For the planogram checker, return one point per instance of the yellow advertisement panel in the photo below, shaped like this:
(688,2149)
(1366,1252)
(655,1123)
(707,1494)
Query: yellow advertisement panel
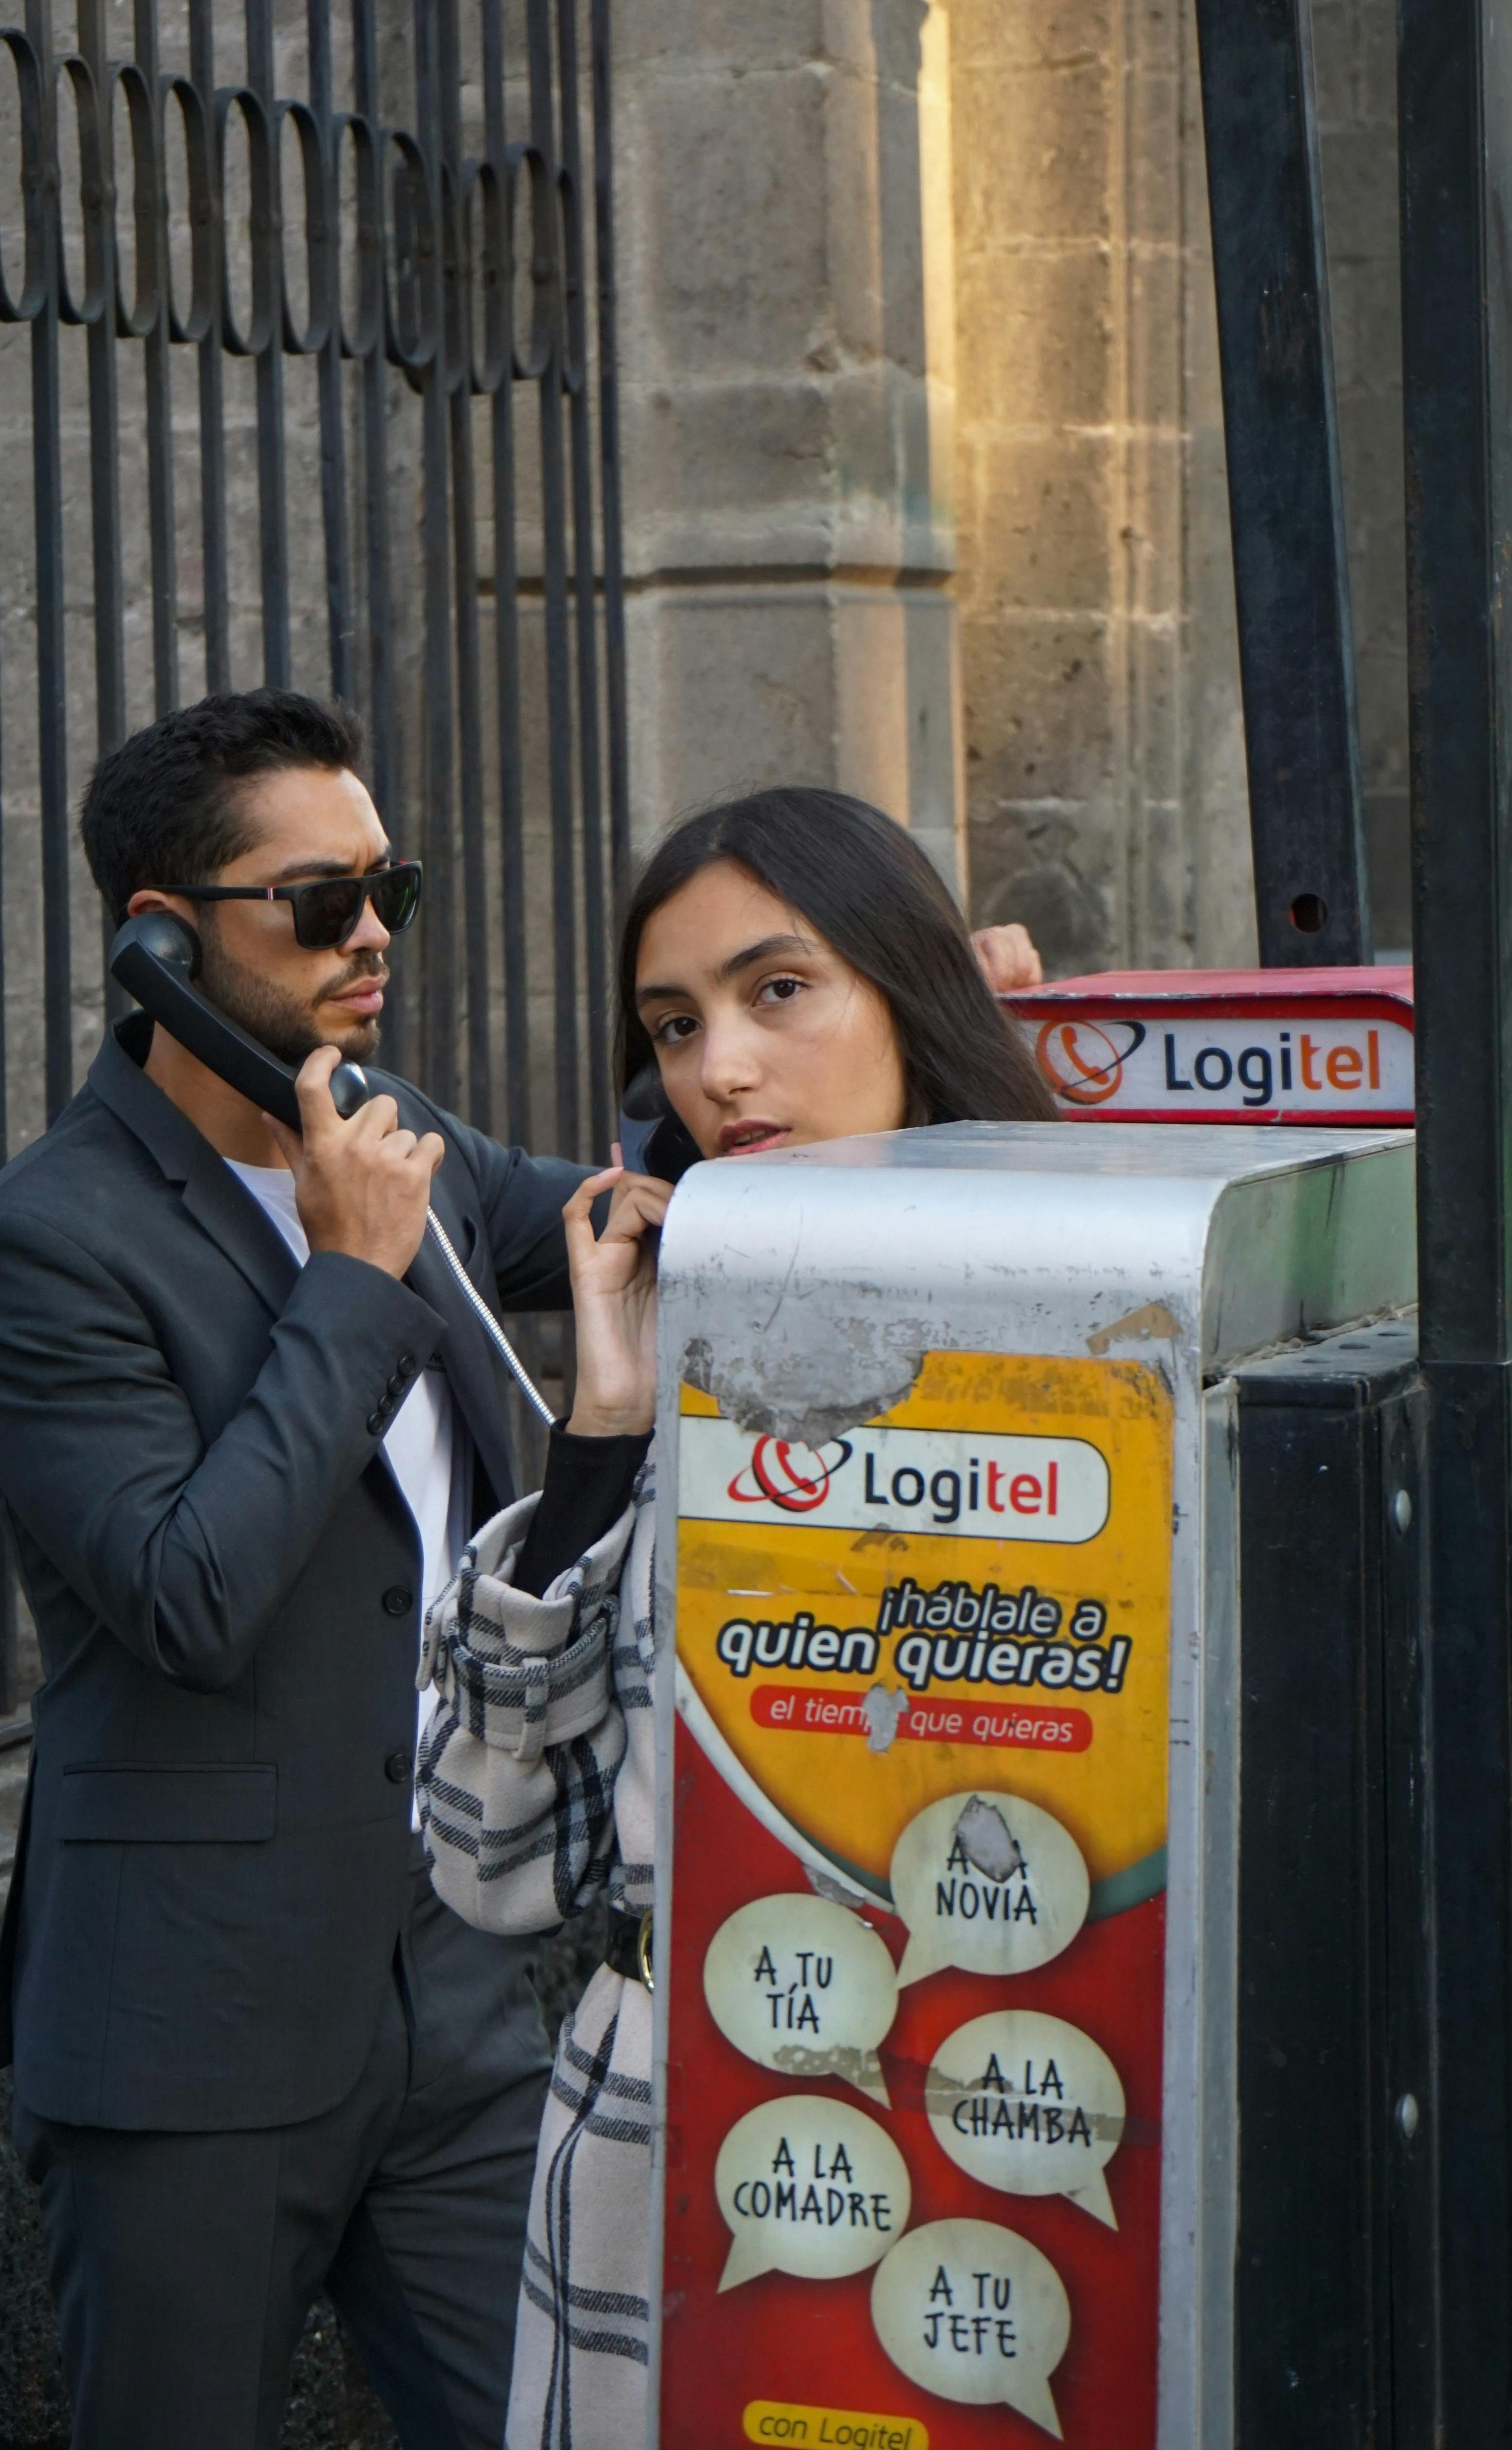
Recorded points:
(917,1956)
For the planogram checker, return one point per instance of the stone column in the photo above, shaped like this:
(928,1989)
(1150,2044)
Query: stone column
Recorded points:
(1104,742)
(783,192)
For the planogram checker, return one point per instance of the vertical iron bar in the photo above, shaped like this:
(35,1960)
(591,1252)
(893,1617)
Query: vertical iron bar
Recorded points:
(10,1696)
(464,531)
(1292,574)
(158,376)
(52,734)
(558,648)
(104,468)
(611,503)
(272,520)
(105,462)
(507,640)
(212,386)
(439,907)
(591,798)
(1455,97)
(468,691)
(382,696)
(333,439)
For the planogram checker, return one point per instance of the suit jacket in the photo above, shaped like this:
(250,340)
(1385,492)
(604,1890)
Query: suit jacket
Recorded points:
(226,1585)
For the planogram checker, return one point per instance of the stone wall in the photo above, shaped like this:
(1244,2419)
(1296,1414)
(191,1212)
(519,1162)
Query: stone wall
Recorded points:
(785,251)
(1104,748)
(1106,793)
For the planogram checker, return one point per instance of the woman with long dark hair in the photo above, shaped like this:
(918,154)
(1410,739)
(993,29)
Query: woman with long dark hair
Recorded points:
(795,971)
(866,892)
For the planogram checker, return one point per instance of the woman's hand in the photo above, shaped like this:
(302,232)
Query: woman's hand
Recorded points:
(1008,957)
(614,1302)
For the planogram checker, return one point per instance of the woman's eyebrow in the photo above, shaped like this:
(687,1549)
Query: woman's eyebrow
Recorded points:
(762,952)
(737,961)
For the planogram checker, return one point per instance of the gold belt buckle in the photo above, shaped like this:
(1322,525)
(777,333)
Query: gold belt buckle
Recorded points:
(643,1950)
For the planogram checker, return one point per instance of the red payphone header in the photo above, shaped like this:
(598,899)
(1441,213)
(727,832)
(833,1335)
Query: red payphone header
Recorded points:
(1227,1046)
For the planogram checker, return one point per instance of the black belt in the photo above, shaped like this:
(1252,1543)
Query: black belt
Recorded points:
(628,1947)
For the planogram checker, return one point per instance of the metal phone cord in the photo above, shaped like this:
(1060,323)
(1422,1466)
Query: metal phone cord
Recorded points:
(522,1377)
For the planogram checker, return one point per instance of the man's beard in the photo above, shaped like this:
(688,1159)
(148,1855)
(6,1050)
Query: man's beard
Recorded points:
(274,1019)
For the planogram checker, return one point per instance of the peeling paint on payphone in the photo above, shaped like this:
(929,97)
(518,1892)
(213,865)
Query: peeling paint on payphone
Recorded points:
(918,1959)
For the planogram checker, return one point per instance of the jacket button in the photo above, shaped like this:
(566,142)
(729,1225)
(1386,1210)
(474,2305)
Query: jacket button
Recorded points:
(377,1424)
(399,1382)
(398,1601)
(397,1768)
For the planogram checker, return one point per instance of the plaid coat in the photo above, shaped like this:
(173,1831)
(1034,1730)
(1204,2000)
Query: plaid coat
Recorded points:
(537,1787)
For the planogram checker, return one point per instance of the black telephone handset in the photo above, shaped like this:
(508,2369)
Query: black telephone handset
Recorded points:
(156,958)
(651,1138)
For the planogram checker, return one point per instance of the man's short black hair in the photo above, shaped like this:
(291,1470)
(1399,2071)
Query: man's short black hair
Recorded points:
(166,805)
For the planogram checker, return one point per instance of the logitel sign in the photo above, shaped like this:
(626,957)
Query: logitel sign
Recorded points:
(898,1480)
(1216,1047)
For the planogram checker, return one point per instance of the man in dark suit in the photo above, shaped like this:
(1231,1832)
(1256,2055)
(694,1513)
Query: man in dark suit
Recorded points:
(254,2056)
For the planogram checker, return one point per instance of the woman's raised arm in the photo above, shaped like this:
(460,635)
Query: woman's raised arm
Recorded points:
(615,1303)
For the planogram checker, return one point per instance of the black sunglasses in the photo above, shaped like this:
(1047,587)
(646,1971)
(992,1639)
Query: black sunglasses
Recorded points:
(328,910)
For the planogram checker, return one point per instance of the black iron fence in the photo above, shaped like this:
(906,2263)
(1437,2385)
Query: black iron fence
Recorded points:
(310,376)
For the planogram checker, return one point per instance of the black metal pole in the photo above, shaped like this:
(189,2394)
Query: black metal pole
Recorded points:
(152,235)
(105,426)
(1291,578)
(340,623)
(619,820)
(548,273)
(52,718)
(267,244)
(438,910)
(383,695)
(506,620)
(213,538)
(457,343)
(598,958)
(1456,172)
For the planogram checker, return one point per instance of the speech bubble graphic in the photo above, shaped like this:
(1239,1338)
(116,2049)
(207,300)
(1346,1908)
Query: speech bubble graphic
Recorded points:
(975,2313)
(1030,2104)
(810,2186)
(988,1882)
(802,1987)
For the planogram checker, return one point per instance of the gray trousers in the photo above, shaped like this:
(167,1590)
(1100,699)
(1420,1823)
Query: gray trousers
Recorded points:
(183,2266)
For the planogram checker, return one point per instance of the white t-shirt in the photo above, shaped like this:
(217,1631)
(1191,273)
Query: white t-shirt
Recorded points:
(428,1449)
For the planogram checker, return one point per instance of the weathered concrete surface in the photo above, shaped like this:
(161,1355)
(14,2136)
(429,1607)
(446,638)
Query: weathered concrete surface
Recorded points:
(1104,745)
(1106,788)
(782,178)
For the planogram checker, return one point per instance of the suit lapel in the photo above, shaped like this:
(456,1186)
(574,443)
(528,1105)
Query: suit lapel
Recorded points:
(222,1206)
(242,1227)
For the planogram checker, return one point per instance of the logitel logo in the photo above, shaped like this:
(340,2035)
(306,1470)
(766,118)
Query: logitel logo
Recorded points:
(988,1483)
(782,1472)
(1080,1060)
